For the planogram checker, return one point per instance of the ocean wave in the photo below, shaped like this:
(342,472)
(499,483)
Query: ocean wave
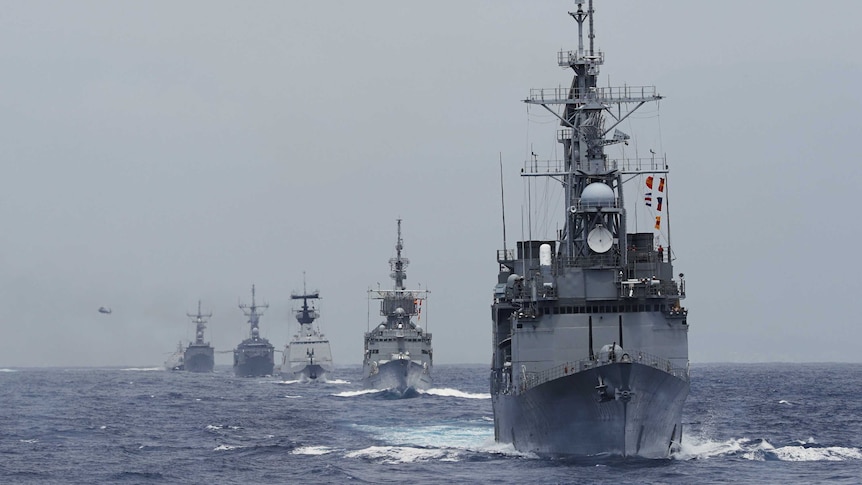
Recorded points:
(312,450)
(444,436)
(336,381)
(213,427)
(144,369)
(455,393)
(226,448)
(391,455)
(8,370)
(762,450)
(356,393)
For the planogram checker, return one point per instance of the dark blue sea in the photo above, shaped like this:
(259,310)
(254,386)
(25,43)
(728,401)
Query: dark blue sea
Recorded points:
(763,423)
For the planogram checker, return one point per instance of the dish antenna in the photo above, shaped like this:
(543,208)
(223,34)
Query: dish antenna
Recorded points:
(600,240)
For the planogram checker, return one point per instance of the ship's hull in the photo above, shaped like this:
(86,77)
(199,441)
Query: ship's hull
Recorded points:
(306,360)
(254,360)
(309,373)
(199,358)
(619,409)
(402,377)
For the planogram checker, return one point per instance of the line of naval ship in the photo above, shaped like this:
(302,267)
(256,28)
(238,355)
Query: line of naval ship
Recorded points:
(254,356)
(199,356)
(308,356)
(398,354)
(590,341)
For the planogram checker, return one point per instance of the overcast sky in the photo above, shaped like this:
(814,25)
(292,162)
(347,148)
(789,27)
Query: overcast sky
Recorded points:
(157,153)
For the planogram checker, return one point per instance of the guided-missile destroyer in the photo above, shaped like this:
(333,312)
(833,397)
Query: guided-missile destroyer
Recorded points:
(254,356)
(590,339)
(398,355)
(308,355)
(199,355)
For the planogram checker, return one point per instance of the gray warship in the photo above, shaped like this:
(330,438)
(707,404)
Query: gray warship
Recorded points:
(199,355)
(308,356)
(590,340)
(398,354)
(254,356)
(175,361)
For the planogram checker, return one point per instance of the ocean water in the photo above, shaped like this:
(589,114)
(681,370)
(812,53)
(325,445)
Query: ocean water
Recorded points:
(764,423)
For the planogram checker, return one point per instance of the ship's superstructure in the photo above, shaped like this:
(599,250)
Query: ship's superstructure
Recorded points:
(199,355)
(308,356)
(398,354)
(254,356)
(590,340)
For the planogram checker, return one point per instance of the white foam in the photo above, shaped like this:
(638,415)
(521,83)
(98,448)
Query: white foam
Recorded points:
(312,450)
(506,449)
(455,393)
(760,450)
(403,454)
(784,402)
(288,382)
(692,448)
(226,447)
(474,438)
(336,381)
(221,426)
(288,396)
(147,369)
(832,453)
(8,370)
(356,393)
(29,441)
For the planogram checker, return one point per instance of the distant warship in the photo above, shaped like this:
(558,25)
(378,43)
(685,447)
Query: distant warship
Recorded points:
(175,361)
(307,356)
(254,356)
(199,355)
(590,340)
(398,354)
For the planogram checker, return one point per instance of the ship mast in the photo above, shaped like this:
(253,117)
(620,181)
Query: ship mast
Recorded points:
(253,313)
(306,315)
(398,263)
(594,233)
(200,324)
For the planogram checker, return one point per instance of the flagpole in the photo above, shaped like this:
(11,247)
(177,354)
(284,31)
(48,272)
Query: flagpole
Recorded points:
(667,201)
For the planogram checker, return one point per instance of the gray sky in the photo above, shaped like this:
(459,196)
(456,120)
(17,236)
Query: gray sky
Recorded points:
(157,153)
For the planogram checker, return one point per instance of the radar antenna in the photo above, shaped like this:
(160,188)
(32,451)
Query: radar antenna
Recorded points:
(307,314)
(398,263)
(253,313)
(200,322)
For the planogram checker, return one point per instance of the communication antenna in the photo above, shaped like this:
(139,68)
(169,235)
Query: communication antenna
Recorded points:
(503,201)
